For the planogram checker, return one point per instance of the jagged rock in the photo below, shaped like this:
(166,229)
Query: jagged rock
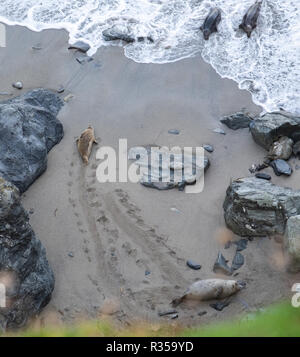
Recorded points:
(296,149)
(281,167)
(118,32)
(28,131)
(292,243)
(236,121)
(238,261)
(24,268)
(241,244)
(281,149)
(255,207)
(270,127)
(80,46)
(263,176)
(208,148)
(221,266)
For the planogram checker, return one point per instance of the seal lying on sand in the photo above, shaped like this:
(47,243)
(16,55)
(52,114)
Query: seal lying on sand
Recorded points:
(210,289)
(250,18)
(85,143)
(211,22)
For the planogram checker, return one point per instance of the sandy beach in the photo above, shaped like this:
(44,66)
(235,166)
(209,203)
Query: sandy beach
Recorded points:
(102,238)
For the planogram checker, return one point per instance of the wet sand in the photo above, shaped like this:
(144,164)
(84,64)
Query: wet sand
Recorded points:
(117,232)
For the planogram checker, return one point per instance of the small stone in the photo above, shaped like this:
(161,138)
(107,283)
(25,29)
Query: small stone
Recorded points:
(219,131)
(147,272)
(263,176)
(281,167)
(18,85)
(68,98)
(80,46)
(193,265)
(221,266)
(202,313)
(208,148)
(61,89)
(83,60)
(238,261)
(219,306)
(168,312)
(118,32)
(37,47)
(174,131)
(71,255)
(31,211)
(174,316)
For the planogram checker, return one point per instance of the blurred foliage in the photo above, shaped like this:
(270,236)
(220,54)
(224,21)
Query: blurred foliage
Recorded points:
(281,320)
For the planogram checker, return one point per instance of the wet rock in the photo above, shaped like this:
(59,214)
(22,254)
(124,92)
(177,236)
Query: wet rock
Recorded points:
(208,148)
(60,90)
(174,131)
(18,85)
(193,265)
(28,131)
(271,126)
(118,32)
(80,46)
(241,244)
(219,306)
(238,261)
(281,149)
(281,167)
(221,266)
(263,176)
(296,149)
(255,207)
(292,243)
(258,167)
(219,131)
(71,255)
(84,60)
(24,268)
(147,272)
(236,121)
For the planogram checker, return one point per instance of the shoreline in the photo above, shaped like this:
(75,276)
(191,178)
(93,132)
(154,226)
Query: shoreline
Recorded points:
(116,232)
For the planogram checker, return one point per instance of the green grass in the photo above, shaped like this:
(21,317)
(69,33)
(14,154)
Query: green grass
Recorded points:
(281,320)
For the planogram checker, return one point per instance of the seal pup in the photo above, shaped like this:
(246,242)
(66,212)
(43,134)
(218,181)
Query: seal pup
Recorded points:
(210,289)
(211,22)
(85,143)
(250,18)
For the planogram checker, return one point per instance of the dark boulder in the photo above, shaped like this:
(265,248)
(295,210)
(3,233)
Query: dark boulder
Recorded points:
(255,207)
(80,46)
(281,167)
(24,269)
(118,32)
(28,131)
(236,121)
(271,126)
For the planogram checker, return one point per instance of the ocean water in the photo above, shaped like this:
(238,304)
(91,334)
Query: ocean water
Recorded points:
(267,65)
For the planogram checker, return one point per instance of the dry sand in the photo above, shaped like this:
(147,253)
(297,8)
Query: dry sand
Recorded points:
(116,232)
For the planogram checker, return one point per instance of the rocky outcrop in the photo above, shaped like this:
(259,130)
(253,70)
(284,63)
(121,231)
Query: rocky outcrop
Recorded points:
(28,131)
(237,120)
(118,32)
(24,269)
(292,243)
(270,127)
(281,149)
(255,207)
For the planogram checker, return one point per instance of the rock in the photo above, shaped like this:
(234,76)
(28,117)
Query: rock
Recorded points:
(241,244)
(60,90)
(263,176)
(238,261)
(18,85)
(193,265)
(80,46)
(292,243)
(236,121)
(255,207)
(296,149)
(271,126)
(219,306)
(174,131)
(281,149)
(219,131)
(168,312)
(118,32)
(257,167)
(147,272)
(28,131)
(221,266)
(202,313)
(208,148)
(84,60)
(281,167)
(23,260)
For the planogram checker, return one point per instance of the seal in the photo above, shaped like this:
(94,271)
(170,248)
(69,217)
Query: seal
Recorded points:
(85,143)
(210,289)
(211,22)
(250,18)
